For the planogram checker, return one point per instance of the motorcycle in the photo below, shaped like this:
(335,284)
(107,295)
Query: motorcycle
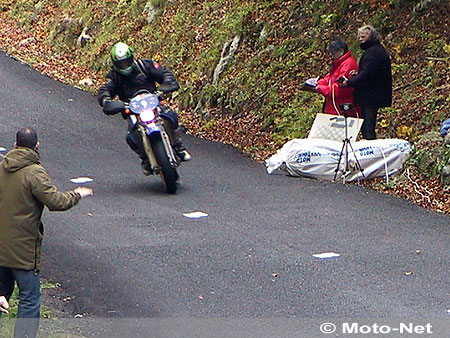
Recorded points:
(144,113)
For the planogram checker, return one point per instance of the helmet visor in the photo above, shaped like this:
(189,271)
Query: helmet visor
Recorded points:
(124,64)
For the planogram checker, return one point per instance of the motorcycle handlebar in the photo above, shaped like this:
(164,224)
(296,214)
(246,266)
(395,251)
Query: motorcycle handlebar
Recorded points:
(113,107)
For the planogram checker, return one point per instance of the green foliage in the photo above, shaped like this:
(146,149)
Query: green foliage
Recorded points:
(295,120)
(208,125)
(22,11)
(328,19)
(435,114)
(435,48)
(158,3)
(401,69)
(400,4)
(318,8)
(444,160)
(430,161)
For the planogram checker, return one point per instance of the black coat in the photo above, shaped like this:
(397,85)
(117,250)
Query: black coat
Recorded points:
(125,86)
(373,83)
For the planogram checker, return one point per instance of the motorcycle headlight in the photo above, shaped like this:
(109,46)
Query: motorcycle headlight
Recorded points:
(147,115)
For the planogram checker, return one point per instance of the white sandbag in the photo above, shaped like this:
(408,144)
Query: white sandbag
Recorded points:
(318,158)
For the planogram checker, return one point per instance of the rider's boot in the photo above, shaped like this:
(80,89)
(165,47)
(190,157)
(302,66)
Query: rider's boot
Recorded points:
(145,166)
(135,143)
(179,147)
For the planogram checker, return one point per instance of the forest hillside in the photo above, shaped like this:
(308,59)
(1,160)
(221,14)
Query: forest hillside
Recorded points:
(241,65)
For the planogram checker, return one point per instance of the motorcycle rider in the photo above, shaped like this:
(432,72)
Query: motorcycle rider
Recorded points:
(130,75)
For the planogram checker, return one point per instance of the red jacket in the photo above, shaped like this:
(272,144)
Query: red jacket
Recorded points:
(329,87)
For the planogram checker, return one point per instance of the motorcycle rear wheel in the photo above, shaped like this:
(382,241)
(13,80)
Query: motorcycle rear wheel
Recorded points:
(168,174)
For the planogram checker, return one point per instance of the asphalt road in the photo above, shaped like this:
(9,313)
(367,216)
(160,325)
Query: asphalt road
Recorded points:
(129,252)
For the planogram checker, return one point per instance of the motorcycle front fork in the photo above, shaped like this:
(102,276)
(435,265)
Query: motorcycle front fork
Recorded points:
(166,140)
(148,150)
(169,149)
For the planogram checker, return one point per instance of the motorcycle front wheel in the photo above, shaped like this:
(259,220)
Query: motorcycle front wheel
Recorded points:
(168,174)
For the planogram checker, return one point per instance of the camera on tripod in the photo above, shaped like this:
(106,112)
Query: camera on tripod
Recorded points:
(348,166)
(346,108)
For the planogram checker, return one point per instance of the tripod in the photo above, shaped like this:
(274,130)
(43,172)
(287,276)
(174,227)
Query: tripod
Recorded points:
(345,144)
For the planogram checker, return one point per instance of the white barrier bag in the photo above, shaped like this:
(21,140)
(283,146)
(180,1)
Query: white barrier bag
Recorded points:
(318,158)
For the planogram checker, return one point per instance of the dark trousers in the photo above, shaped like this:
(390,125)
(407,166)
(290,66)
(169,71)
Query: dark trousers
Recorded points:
(28,282)
(369,114)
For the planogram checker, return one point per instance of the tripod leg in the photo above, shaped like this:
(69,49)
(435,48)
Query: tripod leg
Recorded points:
(339,161)
(358,165)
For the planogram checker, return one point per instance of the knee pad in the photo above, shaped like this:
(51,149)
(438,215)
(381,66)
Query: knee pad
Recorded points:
(171,116)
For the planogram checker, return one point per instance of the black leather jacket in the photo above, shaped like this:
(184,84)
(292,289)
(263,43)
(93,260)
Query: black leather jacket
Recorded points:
(126,86)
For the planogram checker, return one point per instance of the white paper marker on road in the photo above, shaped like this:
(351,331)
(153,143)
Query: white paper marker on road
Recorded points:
(195,214)
(326,255)
(80,180)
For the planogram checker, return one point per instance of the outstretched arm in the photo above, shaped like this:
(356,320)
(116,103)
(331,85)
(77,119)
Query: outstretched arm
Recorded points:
(46,192)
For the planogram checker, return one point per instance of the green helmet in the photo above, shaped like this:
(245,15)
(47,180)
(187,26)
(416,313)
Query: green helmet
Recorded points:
(122,58)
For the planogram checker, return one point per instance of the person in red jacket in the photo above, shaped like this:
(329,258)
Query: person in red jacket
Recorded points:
(342,68)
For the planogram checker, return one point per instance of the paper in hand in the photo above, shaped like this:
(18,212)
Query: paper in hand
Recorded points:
(312,82)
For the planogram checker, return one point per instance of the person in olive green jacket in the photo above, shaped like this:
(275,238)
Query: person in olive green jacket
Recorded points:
(25,188)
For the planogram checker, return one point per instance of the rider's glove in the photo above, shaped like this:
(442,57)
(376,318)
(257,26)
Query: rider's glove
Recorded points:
(168,87)
(111,107)
(105,99)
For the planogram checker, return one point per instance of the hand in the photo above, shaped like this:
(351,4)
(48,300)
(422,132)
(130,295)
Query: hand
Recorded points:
(84,192)
(4,306)
(343,81)
(111,107)
(159,94)
(106,99)
(167,88)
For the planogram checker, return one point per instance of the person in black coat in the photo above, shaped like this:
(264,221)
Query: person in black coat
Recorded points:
(373,82)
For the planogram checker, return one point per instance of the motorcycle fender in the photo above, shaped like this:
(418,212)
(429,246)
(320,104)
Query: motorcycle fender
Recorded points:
(168,148)
(153,128)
